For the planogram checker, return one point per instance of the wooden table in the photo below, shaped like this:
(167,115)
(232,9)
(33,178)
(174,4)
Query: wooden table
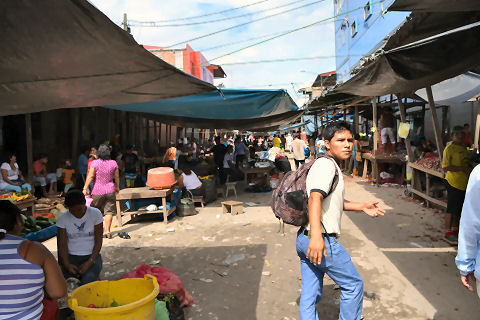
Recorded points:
(379,158)
(26,203)
(417,187)
(265,171)
(143,193)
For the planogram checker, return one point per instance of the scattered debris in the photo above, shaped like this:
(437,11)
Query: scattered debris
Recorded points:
(231,259)
(172,229)
(266,273)
(414,244)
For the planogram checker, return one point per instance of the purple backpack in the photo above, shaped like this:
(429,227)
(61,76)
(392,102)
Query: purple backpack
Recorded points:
(290,200)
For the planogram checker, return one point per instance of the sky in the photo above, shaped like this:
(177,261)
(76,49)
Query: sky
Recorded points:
(316,41)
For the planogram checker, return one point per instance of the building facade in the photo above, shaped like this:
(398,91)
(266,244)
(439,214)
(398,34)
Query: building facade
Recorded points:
(360,29)
(189,61)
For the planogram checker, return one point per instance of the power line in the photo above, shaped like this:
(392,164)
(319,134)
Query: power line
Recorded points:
(264,36)
(294,30)
(245,23)
(210,14)
(156,24)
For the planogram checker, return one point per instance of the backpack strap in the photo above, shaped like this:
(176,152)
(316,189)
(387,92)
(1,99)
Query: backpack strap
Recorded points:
(334,184)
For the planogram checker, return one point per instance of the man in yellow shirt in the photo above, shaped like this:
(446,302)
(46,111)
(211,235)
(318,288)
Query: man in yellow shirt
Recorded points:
(276,141)
(457,166)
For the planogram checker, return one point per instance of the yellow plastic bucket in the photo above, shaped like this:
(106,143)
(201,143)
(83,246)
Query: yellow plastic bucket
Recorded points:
(135,299)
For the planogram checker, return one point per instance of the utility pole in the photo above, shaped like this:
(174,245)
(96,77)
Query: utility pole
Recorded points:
(125,25)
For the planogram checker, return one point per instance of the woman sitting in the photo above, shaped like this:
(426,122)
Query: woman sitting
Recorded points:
(79,239)
(11,178)
(31,277)
(189,180)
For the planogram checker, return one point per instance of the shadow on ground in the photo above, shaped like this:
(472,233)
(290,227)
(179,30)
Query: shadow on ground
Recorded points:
(408,225)
(220,291)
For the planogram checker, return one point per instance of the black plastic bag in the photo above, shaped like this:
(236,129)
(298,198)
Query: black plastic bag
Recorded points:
(174,307)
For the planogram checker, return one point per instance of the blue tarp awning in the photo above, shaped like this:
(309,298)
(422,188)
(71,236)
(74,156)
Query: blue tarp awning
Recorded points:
(227,109)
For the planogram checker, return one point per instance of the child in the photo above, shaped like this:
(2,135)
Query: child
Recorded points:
(68,173)
(457,166)
(357,155)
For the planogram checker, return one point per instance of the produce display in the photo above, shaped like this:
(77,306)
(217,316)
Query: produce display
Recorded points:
(432,163)
(16,196)
(36,224)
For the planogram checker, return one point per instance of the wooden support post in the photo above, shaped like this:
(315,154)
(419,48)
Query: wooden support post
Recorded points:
(436,128)
(403,118)
(28,134)
(477,127)
(427,190)
(123,121)
(356,121)
(345,114)
(75,131)
(375,128)
(315,120)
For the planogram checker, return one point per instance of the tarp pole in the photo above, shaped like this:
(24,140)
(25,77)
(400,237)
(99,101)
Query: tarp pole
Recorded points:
(28,134)
(124,129)
(436,128)
(375,129)
(477,127)
(403,118)
(356,119)
(75,129)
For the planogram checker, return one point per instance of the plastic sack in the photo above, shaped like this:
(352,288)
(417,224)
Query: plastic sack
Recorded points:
(161,312)
(167,281)
(403,130)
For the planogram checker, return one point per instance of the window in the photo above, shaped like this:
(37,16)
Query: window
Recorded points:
(340,78)
(345,75)
(354,28)
(343,34)
(367,11)
(339,43)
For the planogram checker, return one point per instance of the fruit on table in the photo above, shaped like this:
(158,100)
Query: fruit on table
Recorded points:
(91,305)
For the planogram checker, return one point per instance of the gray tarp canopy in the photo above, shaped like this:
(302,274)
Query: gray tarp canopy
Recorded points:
(66,53)
(436,5)
(428,48)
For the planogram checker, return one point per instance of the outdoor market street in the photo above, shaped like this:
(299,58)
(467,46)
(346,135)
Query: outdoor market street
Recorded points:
(402,281)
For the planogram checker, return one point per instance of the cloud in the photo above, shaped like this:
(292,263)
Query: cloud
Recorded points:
(314,41)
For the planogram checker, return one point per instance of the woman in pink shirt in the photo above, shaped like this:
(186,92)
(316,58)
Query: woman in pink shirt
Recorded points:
(104,174)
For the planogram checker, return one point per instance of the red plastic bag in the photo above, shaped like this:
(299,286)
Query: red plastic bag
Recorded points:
(167,281)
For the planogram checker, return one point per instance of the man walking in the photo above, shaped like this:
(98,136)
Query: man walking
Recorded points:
(298,147)
(317,244)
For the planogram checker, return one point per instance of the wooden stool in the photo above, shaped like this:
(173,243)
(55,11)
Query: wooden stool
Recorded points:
(230,186)
(232,207)
(198,199)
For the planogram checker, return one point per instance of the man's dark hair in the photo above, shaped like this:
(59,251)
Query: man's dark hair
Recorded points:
(356,136)
(217,138)
(42,155)
(466,125)
(334,127)
(74,197)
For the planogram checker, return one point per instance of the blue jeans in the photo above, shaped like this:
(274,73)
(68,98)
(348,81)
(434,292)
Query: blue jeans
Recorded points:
(91,275)
(339,267)
(11,187)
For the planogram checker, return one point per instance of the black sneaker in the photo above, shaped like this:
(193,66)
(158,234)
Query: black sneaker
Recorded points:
(451,239)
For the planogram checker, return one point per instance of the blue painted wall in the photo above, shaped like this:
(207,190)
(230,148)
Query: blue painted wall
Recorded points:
(359,32)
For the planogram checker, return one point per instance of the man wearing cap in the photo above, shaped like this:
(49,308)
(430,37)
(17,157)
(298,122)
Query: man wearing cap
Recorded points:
(457,166)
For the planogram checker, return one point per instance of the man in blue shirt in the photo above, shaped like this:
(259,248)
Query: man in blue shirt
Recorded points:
(468,255)
(83,162)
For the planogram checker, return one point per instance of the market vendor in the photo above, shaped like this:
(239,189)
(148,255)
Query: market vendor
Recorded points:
(79,239)
(456,163)
(41,175)
(189,180)
(12,178)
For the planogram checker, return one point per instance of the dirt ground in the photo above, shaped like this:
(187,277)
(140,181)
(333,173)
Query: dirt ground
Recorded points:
(409,272)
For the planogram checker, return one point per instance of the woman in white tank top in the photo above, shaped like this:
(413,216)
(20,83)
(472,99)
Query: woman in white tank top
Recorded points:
(189,180)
